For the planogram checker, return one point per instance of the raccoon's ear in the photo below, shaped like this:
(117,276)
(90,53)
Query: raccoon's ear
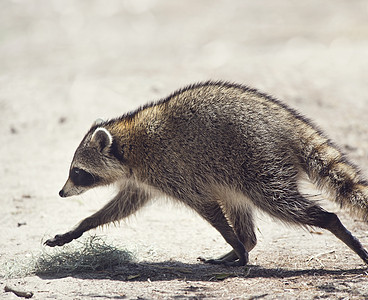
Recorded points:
(101,139)
(98,122)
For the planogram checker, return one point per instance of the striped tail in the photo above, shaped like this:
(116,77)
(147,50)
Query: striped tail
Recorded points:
(330,170)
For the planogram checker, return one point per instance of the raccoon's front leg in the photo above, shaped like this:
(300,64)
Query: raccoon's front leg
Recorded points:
(126,202)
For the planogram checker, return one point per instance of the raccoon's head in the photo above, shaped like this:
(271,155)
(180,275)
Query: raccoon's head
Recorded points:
(95,163)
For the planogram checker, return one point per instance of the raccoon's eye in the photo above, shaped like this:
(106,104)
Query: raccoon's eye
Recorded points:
(81,177)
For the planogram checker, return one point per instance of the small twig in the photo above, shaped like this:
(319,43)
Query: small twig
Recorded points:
(320,254)
(315,257)
(18,292)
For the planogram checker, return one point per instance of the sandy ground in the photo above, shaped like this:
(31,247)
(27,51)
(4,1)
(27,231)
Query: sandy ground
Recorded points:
(65,63)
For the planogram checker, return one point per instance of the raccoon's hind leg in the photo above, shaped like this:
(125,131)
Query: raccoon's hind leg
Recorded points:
(331,222)
(292,207)
(128,200)
(213,213)
(241,219)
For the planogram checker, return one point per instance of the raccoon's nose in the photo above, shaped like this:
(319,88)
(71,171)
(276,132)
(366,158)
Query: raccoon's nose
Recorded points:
(61,193)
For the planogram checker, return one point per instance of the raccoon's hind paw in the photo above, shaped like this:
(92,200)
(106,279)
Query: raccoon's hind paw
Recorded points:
(62,239)
(235,263)
(229,259)
(364,256)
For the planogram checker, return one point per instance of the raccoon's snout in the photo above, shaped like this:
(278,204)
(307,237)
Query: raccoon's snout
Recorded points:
(70,189)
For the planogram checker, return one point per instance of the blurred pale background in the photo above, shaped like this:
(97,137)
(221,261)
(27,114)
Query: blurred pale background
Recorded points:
(101,49)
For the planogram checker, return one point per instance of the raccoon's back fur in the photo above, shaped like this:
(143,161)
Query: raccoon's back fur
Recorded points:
(221,149)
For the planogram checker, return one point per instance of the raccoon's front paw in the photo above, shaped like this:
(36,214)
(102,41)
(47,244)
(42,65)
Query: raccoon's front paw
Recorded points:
(59,240)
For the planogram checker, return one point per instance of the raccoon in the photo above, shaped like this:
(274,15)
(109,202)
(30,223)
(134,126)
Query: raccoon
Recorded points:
(224,150)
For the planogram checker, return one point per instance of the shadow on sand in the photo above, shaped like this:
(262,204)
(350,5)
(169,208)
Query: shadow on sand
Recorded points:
(171,270)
